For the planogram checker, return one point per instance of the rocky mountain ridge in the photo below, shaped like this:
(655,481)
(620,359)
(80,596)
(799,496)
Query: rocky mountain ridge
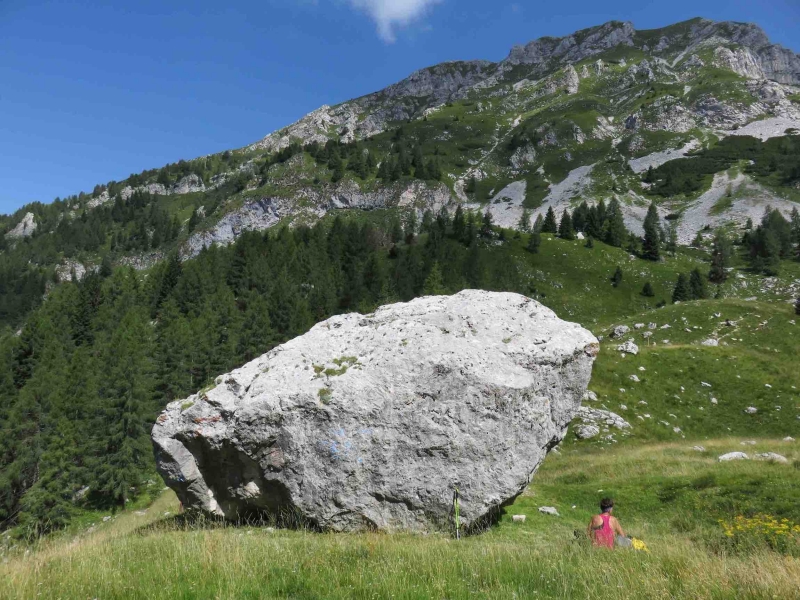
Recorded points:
(558,121)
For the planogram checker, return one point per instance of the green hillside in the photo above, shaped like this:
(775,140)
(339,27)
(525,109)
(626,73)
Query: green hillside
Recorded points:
(667,494)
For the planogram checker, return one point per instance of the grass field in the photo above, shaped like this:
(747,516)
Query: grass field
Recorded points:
(667,495)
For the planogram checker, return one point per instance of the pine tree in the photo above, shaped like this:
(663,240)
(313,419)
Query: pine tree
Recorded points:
(720,258)
(682,292)
(697,285)
(411,227)
(427,221)
(486,225)
(647,290)
(459,225)
(565,231)
(550,224)
(525,220)
(614,225)
(193,220)
(651,240)
(434,282)
(616,278)
(128,408)
(534,241)
(471,186)
(672,238)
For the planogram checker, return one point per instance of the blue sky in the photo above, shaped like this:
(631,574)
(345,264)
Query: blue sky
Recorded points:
(93,91)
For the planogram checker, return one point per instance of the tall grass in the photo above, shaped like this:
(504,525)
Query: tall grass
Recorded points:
(154,556)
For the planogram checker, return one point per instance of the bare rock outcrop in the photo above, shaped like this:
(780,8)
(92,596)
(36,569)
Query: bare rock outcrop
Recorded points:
(371,421)
(24,228)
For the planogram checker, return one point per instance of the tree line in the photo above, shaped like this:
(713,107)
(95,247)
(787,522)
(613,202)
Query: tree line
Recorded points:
(82,382)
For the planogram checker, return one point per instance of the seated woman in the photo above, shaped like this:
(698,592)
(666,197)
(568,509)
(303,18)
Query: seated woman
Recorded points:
(603,528)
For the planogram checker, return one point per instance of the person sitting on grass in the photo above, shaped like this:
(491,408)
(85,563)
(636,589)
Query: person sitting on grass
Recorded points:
(603,528)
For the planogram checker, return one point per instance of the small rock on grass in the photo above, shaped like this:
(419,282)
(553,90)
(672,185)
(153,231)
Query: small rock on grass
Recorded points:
(772,457)
(751,410)
(698,448)
(518,518)
(733,456)
(788,438)
(549,510)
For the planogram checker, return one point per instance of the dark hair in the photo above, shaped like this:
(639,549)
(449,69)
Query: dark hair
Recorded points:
(606,504)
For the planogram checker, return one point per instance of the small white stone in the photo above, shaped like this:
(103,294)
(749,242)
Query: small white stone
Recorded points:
(549,510)
(772,457)
(733,456)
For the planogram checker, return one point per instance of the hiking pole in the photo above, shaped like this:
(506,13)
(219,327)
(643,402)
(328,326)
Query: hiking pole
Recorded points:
(457,513)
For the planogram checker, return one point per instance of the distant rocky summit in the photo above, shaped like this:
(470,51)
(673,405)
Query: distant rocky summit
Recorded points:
(372,421)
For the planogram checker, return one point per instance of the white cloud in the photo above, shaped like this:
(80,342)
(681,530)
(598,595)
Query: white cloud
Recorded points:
(390,14)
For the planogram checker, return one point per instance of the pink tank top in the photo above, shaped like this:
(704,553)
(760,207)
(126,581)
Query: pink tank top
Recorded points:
(605,535)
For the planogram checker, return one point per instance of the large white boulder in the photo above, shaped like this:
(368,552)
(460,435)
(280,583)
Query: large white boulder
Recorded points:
(372,421)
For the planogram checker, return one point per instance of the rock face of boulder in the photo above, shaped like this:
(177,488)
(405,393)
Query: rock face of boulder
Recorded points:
(371,421)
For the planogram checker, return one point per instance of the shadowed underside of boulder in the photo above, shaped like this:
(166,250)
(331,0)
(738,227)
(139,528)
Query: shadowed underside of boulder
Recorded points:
(371,421)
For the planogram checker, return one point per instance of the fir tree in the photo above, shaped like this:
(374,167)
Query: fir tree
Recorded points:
(697,285)
(682,292)
(193,220)
(720,259)
(538,225)
(550,224)
(647,290)
(651,240)
(128,410)
(614,225)
(411,227)
(565,227)
(486,225)
(534,241)
(616,278)
(525,220)
(459,226)
(434,282)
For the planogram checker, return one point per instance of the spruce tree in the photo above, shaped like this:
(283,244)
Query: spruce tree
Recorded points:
(697,285)
(550,224)
(486,225)
(720,258)
(538,224)
(434,282)
(651,240)
(682,292)
(411,227)
(128,409)
(534,241)
(525,220)
(459,226)
(672,238)
(565,227)
(616,278)
(647,290)
(614,225)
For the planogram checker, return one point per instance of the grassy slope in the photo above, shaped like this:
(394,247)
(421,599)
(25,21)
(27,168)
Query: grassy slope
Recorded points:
(668,494)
